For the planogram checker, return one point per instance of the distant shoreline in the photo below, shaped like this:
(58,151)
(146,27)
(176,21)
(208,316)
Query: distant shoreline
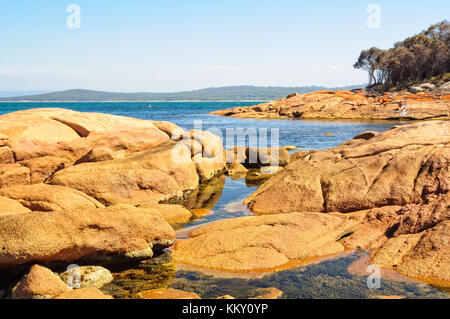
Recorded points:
(119,101)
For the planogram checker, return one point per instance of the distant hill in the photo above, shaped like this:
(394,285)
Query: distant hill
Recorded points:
(230,93)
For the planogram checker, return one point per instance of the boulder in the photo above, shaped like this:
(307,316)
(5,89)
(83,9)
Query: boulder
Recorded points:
(39,283)
(445,87)
(173,214)
(236,169)
(14,174)
(168,293)
(211,143)
(42,168)
(84,293)
(292,95)
(397,167)
(6,155)
(43,197)
(11,207)
(87,276)
(264,242)
(208,167)
(420,255)
(175,132)
(427,86)
(94,236)
(147,177)
(100,154)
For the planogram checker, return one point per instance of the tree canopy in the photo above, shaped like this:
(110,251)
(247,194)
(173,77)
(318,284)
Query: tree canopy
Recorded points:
(412,60)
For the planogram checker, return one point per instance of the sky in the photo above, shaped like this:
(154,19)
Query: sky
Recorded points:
(174,45)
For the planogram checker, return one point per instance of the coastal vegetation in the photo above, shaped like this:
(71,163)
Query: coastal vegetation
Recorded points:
(425,56)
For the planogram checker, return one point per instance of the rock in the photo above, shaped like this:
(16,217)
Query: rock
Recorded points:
(263,242)
(445,87)
(268,293)
(386,170)
(292,95)
(147,177)
(416,89)
(100,155)
(84,293)
(366,135)
(236,170)
(427,86)
(168,293)
(14,174)
(349,105)
(201,212)
(421,255)
(42,168)
(173,214)
(33,125)
(87,276)
(290,147)
(43,197)
(174,131)
(11,207)
(194,146)
(271,170)
(39,283)
(95,236)
(258,157)
(6,155)
(211,143)
(207,167)
(226,297)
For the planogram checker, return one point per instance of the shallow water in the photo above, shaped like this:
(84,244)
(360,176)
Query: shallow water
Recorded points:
(223,197)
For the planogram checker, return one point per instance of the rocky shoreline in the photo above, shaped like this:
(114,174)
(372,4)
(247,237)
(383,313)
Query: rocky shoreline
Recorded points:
(425,104)
(103,190)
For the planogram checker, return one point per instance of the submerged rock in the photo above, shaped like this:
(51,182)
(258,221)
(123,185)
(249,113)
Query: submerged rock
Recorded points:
(167,293)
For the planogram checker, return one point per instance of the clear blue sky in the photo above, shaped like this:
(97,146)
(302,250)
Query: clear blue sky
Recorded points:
(174,45)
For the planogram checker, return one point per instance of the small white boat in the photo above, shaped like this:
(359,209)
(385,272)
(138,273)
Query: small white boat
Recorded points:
(149,106)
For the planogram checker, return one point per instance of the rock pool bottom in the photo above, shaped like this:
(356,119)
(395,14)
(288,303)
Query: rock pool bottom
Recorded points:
(329,278)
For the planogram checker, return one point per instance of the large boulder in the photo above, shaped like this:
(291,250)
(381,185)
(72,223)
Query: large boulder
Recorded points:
(264,242)
(14,174)
(43,197)
(147,177)
(11,207)
(94,236)
(397,167)
(39,283)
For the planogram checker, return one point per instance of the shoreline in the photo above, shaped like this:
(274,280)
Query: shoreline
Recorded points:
(155,101)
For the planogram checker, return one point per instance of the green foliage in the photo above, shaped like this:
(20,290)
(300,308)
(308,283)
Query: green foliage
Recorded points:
(413,60)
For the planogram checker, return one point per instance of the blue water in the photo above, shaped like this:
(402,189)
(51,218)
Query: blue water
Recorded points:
(301,133)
